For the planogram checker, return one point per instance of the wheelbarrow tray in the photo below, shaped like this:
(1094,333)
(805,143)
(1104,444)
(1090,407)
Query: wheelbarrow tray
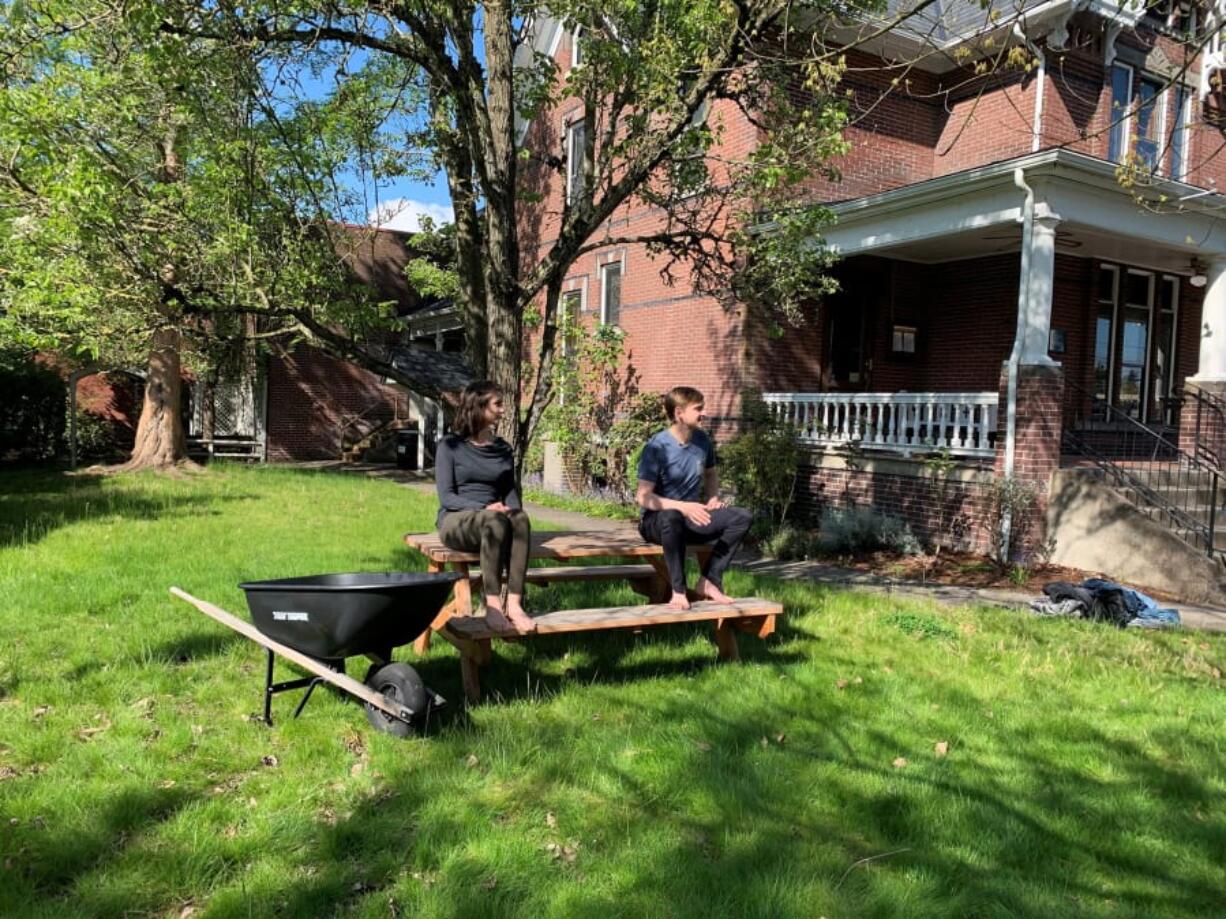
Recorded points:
(334,616)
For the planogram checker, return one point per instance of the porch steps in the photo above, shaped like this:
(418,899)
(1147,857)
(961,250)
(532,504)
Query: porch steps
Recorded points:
(372,440)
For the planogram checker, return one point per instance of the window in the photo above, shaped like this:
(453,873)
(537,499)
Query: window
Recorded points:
(576,141)
(1057,341)
(1136,115)
(610,293)
(568,321)
(904,339)
(688,168)
(1179,133)
(576,50)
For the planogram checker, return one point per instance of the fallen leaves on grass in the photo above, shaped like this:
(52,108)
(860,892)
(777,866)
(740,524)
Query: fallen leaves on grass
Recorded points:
(489,883)
(472,762)
(942,748)
(566,852)
(703,746)
(551,821)
(270,761)
(900,762)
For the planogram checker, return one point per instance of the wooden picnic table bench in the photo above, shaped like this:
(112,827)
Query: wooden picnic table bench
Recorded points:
(641,564)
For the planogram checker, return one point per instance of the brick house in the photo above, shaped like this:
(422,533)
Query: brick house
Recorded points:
(984,232)
(294,403)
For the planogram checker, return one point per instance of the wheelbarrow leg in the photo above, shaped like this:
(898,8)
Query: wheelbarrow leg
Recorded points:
(268,689)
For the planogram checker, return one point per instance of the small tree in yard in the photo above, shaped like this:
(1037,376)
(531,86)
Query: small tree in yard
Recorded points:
(600,418)
(761,464)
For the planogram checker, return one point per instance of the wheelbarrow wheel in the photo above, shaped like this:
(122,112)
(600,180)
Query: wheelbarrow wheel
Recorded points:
(401,684)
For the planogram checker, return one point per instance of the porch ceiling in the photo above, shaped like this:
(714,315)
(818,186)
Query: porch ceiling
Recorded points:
(978,212)
(1071,239)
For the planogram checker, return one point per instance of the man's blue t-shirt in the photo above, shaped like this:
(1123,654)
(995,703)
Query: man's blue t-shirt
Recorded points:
(677,468)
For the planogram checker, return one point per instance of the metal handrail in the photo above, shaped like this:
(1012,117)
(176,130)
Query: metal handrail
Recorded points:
(1208,406)
(1150,468)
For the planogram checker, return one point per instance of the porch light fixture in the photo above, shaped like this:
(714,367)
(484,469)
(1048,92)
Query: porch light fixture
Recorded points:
(1199,278)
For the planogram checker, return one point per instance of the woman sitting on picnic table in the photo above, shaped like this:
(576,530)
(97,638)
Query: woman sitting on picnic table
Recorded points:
(674,467)
(479,505)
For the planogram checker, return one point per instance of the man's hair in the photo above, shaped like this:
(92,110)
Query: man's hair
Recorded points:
(476,396)
(680,397)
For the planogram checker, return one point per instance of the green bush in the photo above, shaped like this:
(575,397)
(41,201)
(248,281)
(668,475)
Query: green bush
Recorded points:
(101,438)
(32,410)
(863,529)
(600,419)
(788,543)
(760,465)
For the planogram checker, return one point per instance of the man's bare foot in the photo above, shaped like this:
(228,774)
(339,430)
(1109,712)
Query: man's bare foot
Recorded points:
(708,590)
(520,620)
(497,621)
(679,601)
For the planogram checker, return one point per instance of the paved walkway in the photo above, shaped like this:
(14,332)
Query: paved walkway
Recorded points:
(1208,618)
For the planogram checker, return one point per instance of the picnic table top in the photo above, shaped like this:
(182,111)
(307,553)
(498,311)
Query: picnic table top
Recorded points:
(623,542)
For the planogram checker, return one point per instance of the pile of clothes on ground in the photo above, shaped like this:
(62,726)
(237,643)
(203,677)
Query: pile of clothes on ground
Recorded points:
(1104,601)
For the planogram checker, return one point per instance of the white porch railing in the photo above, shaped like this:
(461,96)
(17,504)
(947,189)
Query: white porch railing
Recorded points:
(961,422)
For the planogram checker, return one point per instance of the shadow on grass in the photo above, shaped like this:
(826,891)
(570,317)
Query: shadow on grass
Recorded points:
(34,504)
(758,847)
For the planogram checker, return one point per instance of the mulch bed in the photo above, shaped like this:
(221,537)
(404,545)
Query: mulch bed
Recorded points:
(965,569)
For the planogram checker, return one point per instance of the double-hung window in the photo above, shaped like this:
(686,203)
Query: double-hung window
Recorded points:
(610,293)
(1182,109)
(1136,116)
(576,140)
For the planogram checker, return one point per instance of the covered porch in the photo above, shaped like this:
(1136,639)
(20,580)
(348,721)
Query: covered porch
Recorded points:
(1120,301)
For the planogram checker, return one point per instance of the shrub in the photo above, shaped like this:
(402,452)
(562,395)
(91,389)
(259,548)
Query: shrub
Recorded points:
(863,529)
(760,465)
(600,419)
(1016,499)
(788,543)
(32,410)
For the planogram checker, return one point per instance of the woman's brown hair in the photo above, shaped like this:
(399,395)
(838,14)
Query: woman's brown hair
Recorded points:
(469,417)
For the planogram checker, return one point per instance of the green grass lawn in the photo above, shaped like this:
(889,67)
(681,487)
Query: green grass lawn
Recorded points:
(622,775)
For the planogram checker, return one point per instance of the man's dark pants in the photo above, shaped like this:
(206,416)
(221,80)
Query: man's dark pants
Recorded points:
(674,532)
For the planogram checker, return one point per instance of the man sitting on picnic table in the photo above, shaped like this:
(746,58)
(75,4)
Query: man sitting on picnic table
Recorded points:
(673,468)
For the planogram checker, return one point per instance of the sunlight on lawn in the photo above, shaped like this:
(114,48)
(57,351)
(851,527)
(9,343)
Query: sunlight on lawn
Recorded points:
(617,774)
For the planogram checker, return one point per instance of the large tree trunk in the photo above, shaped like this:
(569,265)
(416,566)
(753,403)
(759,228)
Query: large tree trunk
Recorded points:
(160,441)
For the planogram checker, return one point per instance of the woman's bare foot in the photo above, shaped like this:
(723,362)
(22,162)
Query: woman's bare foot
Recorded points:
(679,601)
(709,591)
(495,618)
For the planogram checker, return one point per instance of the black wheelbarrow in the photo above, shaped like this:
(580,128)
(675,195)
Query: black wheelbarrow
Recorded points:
(317,622)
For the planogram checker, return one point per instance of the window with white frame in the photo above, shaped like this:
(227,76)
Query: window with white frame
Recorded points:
(688,169)
(570,307)
(1182,108)
(1137,116)
(576,50)
(576,141)
(904,339)
(610,293)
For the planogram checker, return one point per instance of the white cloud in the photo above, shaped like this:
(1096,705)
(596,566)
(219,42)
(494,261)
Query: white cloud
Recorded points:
(405,214)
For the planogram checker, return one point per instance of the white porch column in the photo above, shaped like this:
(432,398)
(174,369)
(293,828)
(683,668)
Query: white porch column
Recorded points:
(1035,300)
(1212,367)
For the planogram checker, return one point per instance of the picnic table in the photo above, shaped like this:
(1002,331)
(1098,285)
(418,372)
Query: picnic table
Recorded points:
(635,561)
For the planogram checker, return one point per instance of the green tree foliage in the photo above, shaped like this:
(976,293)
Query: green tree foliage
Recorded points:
(761,464)
(158,201)
(600,419)
(650,74)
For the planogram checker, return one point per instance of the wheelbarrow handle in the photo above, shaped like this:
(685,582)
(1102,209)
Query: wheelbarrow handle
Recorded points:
(340,680)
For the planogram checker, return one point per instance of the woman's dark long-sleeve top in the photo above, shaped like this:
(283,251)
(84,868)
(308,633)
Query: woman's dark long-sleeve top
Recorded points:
(470,477)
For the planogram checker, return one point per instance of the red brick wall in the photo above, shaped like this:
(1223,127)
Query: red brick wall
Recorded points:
(311,396)
(909,496)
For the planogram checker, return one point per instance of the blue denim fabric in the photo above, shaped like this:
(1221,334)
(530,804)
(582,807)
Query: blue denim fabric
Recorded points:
(1144,609)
